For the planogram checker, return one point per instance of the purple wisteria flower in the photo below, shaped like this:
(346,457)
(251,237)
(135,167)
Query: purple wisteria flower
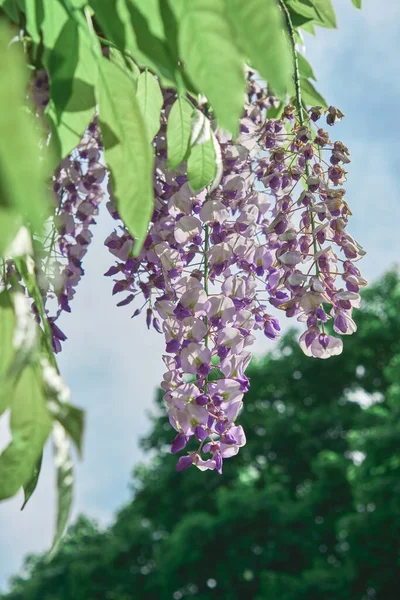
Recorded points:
(270,233)
(78,192)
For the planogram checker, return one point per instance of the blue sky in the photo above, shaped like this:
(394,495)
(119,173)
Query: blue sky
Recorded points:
(113,364)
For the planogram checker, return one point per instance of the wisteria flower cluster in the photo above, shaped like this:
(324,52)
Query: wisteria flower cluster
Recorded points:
(270,233)
(78,192)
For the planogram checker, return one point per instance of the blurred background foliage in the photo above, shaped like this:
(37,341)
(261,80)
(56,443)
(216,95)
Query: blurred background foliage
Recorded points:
(309,509)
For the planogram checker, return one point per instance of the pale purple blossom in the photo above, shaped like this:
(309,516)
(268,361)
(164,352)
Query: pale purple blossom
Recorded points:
(272,231)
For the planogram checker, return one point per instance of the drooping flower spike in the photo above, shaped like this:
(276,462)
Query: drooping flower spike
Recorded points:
(78,192)
(269,234)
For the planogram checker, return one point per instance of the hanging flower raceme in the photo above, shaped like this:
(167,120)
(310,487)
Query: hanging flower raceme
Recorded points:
(78,192)
(303,172)
(213,262)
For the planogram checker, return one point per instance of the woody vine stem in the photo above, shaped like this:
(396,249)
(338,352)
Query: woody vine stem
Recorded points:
(299,103)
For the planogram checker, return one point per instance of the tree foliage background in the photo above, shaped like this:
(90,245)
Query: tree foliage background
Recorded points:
(309,508)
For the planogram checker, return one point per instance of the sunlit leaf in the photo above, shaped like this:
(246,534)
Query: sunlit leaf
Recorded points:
(201,128)
(276,111)
(10,7)
(30,486)
(72,419)
(299,20)
(125,63)
(57,397)
(73,70)
(151,48)
(170,25)
(307,13)
(62,62)
(179,127)
(302,8)
(202,165)
(309,27)
(325,12)
(260,27)
(7,324)
(150,101)
(357,3)
(30,426)
(319,12)
(150,10)
(305,69)
(23,170)
(34,13)
(128,25)
(310,95)
(10,222)
(114,21)
(65,481)
(128,153)
(212,59)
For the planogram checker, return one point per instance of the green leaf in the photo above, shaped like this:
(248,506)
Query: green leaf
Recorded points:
(300,20)
(179,127)
(7,324)
(73,71)
(150,10)
(151,48)
(177,7)
(10,222)
(303,8)
(10,7)
(34,14)
(202,167)
(114,21)
(260,28)
(30,486)
(310,95)
(125,63)
(201,128)
(305,69)
(130,28)
(150,102)
(30,426)
(72,419)
(212,60)
(24,172)
(170,25)
(275,112)
(62,63)
(325,12)
(57,394)
(357,3)
(309,27)
(65,483)
(170,11)
(128,154)
(306,13)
